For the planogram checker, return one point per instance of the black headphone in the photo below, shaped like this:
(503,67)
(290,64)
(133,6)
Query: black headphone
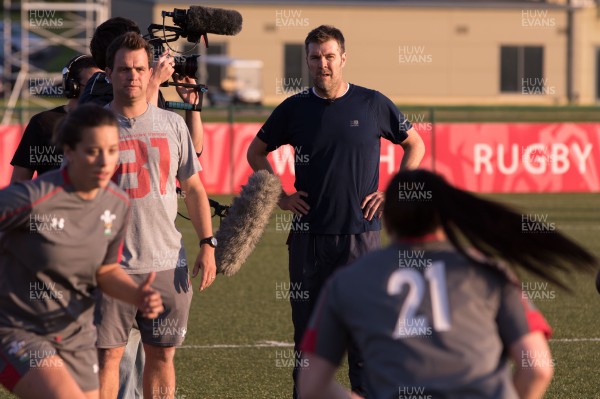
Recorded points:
(71,86)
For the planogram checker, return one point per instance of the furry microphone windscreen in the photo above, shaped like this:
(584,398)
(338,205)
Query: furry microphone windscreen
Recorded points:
(246,221)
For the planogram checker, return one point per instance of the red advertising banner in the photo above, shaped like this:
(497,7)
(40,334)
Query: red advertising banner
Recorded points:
(519,157)
(486,157)
(10,135)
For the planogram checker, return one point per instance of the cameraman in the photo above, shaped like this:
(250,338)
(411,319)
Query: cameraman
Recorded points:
(38,133)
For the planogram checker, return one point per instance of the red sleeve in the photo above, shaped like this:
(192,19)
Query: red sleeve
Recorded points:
(535,319)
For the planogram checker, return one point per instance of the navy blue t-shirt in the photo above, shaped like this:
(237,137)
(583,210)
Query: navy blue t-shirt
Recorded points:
(337,147)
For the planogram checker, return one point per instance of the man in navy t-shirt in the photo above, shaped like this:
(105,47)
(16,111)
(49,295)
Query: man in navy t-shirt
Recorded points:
(335,129)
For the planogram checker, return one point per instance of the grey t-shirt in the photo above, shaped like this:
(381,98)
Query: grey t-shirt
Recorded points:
(51,245)
(427,321)
(155,149)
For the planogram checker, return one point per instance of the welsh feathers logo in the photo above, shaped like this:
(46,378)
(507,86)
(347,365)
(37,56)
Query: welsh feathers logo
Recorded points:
(46,222)
(108,218)
(57,224)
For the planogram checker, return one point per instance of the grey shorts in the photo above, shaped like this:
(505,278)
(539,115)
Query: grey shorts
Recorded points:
(21,351)
(114,319)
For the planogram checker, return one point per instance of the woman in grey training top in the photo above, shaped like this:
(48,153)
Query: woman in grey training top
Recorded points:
(438,314)
(61,237)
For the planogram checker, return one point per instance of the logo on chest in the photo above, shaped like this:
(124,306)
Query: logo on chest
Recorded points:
(46,222)
(108,219)
(354,123)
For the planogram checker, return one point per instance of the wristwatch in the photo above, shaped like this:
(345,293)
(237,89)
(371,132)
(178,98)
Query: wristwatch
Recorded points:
(212,241)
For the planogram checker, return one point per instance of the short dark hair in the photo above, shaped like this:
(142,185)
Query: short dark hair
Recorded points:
(70,129)
(129,41)
(323,34)
(79,65)
(105,33)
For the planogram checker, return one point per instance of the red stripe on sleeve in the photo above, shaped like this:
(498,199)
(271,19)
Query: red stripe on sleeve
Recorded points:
(309,341)
(535,319)
(120,253)
(9,376)
(39,200)
(118,194)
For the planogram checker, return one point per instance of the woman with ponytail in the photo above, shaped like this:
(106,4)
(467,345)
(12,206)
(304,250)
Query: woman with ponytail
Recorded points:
(440,313)
(61,238)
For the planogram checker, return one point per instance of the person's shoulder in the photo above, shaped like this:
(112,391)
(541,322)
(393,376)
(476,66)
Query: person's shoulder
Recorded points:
(368,94)
(98,90)
(363,266)
(45,186)
(114,190)
(49,116)
(298,98)
(52,178)
(99,84)
(164,114)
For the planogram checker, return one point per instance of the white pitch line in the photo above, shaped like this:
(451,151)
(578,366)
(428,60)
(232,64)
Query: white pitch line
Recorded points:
(279,344)
(261,344)
(578,227)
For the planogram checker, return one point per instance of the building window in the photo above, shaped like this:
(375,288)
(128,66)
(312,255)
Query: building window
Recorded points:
(521,69)
(216,72)
(598,74)
(295,69)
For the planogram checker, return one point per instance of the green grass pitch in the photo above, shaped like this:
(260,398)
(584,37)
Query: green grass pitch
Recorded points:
(236,325)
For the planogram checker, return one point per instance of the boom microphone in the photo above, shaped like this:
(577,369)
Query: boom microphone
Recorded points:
(246,221)
(199,20)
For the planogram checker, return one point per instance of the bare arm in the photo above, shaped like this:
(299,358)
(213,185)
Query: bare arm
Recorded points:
(414,150)
(198,208)
(113,281)
(257,158)
(193,119)
(21,174)
(162,69)
(316,380)
(534,366)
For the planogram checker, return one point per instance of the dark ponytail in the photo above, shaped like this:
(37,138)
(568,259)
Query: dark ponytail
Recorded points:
(418,201)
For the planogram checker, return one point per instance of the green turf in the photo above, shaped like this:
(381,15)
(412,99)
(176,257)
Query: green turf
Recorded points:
(244,309)
(244,312)
(416,113)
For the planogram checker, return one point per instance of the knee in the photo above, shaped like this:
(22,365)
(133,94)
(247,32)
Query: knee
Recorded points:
(159,354)
(110,357)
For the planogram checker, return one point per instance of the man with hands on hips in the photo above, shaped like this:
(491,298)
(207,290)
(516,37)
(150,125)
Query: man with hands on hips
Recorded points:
(335,129)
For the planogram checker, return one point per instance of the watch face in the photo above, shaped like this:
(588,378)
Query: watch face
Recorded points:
(212,241)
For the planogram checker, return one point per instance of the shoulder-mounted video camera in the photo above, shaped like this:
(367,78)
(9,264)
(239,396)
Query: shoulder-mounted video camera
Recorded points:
(191,24)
